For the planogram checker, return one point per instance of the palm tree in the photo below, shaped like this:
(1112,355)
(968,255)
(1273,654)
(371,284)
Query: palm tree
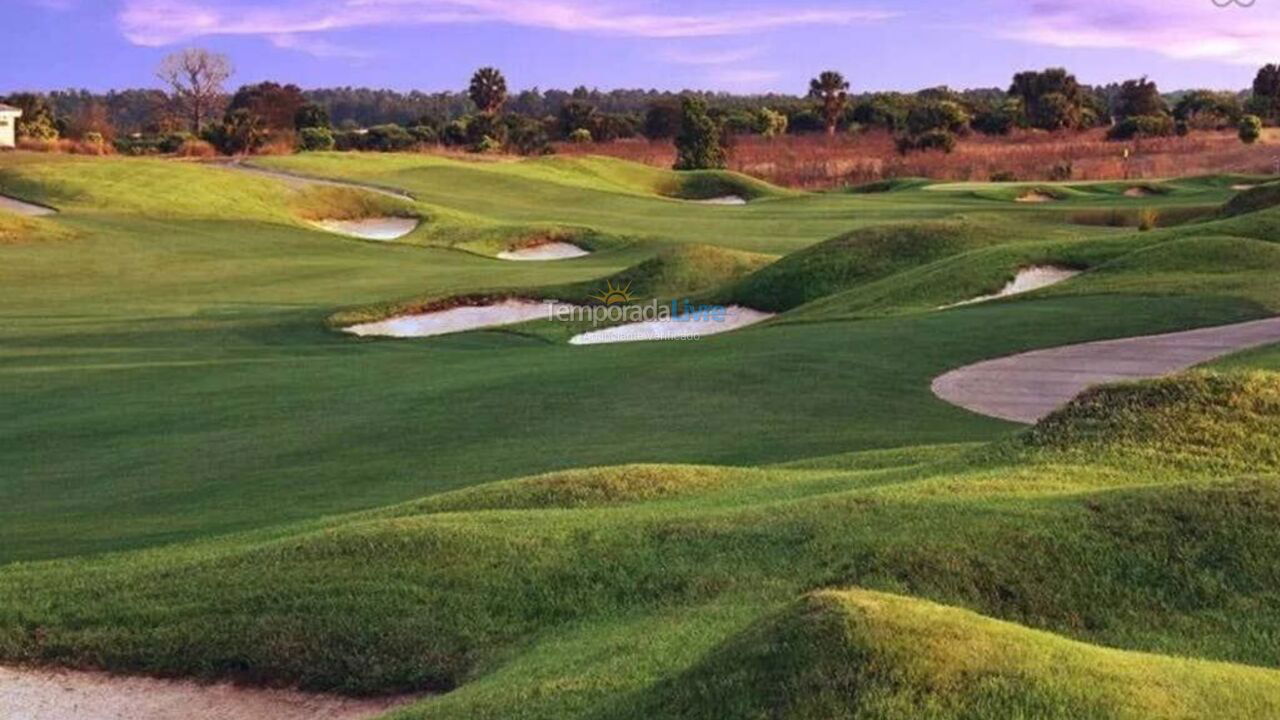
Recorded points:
(832,90)
(488,90)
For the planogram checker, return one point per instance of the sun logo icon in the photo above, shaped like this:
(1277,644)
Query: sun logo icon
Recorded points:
(614,295)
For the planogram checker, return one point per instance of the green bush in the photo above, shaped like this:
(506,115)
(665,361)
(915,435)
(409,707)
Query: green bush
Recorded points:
(579,136)
(171,142)
(943,140)
(698,142)
(455,133)
(348,140)
(387,138)
(486,144)
(1250,129)
(140,145)
(1140,126)
(424,134)
(317,139)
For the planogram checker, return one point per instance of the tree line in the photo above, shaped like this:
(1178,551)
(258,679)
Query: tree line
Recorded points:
(195,107)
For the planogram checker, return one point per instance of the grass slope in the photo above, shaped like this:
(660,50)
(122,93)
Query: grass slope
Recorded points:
(860,654)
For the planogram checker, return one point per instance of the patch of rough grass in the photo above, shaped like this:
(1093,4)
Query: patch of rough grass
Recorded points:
(1225,421)
(861,654)
(330,202)
(20,230)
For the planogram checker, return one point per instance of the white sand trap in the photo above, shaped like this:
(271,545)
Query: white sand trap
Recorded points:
(545,251)
(24,208)
(459,319)
(62,695)
(723,200)
(735,317)
(1035,196)
(382,228)
(1238,188)
(1027,279)
(1138,192)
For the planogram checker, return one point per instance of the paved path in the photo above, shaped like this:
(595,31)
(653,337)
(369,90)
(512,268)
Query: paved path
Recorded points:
(1026,387)
(61,695)
(24,208)
(298,180)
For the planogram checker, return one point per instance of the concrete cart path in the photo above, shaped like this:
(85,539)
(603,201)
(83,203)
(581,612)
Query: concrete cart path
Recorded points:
(298,181)
(24,208)
(1025,388)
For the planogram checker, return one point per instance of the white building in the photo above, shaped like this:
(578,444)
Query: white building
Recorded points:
(8,124)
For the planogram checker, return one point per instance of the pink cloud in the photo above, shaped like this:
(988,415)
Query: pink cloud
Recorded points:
(165,22)
(1186,29)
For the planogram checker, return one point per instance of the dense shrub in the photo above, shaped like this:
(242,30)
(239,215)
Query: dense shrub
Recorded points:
(528,136)
(194,148)
(138,145)
(424,134)
(698,143)
(581,135)
(1250,129)
(316,139)
(1140,126)
(348,140)
(455,133)
(771,123)
(387,138)
(943,140)
(171,142)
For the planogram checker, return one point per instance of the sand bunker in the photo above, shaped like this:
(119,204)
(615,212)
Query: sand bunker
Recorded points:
(723,200)
(1138,192)
(1243,187)
(1035,196)
(60,694)
(545,251)
(1027,279)
(459,319)
(24,208)
(383,228)
(735,317)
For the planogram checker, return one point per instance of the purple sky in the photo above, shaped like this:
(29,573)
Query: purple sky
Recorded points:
(734,45)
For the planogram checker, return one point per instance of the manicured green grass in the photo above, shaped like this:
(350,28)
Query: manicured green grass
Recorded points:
(202,477)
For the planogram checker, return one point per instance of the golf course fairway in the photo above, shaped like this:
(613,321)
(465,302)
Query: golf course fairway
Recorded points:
(204,477)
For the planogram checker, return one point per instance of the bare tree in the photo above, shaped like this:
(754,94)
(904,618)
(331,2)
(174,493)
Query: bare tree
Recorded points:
(196,78)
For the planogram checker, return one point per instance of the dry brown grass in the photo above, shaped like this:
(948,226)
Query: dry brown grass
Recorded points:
(64,145)
(816,161)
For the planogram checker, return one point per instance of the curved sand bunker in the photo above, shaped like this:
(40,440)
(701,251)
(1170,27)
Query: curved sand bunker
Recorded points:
(1026,387)
(62,694)
(723,200)
(1139,192)
(1027,279)
(20,207)
(459,319)
(381,228)
(1035,196)
(1239,188)
(684,326)
(545,251)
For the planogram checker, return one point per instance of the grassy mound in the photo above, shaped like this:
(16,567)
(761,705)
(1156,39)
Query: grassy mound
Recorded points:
(589,487)
(1231,421)
(328,202)
(1252,200)
(675,272)
(858,257)
(710,184)
(891,185)
(859,654)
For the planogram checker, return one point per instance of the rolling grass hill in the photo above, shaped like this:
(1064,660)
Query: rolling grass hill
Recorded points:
(204,479)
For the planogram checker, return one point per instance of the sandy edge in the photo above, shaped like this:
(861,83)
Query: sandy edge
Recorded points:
(54,694)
